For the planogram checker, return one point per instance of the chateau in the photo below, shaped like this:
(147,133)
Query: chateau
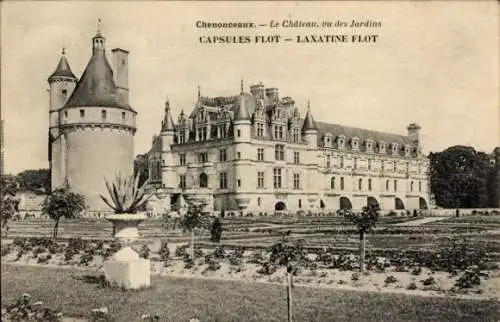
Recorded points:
(255,153)
(92,125)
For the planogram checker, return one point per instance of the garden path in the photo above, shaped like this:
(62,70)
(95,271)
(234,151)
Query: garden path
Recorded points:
(419,222)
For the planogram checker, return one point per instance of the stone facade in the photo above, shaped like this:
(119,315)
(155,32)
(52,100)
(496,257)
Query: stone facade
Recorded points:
(92,125)
(253,152)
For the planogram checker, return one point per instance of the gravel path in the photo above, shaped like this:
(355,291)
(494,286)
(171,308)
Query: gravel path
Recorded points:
(419,222)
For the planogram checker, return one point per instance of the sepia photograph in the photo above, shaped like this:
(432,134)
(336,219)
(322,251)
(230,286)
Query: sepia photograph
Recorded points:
(250,161)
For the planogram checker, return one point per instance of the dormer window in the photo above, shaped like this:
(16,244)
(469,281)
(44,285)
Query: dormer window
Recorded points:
(394,148)
(341,141)
(407,150)
(103,114)
(369,145)
(82,113)
(65,92)
(381,147)
(355,143)
(65,114)
(328,140)
(123,115)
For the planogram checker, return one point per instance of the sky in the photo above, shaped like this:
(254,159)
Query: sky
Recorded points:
(434,63)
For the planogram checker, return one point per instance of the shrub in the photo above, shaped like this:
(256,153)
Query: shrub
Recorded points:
(390,279)
(267,269)
(236,257)
(86,258)
(23,309)
(416,271)
(180,251)
(355,277)
(164,252)
(144,251)
(219,252)
(470,278)
(412,286)
(44,259)
(428,281)
(391,213)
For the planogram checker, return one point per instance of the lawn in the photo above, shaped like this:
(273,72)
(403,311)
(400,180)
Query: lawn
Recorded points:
(180,299)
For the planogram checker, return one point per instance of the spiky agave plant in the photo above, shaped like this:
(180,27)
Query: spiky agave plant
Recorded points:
(126,196)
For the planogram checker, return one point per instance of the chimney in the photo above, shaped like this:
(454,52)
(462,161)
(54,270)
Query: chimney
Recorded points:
(273,94)
(120,73)
(258,91)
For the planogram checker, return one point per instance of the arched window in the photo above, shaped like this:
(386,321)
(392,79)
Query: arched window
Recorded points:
(342,183)
(360,184)
(332,183)
(203,180)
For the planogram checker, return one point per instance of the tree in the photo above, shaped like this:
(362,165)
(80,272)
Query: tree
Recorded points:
(365,222)
(216,231)
(459,177)
(193,219)
(9,203)
(141,168)
(62,203)
(35,180)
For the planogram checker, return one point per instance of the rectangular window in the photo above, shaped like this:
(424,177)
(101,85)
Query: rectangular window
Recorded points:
(355,163)
(238,155)
(223,180)
(65,113)
(296,157)
(328,161)
(296,181)
(204,133)
(82,113)
(295,135)
(222,155)
(103,114)
(275,131)
(222,131)
(279,153)
(394,166)
(238,132)
(342,183)
(182,181)
(202,157)
(300,203)
(280,132)
(370,184)
(182,159)
(382,165)
(238,182)
(341,161)
(260,179)
(182,136)
(369,164)
(395,185)
(260,129)
(277,177)
(259,201)
(260,154)
(420,186)
(123,115)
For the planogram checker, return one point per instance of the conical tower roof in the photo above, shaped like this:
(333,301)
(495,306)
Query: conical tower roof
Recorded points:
(96,86)
(241,112)
(309,123)
(168,124)
(62,69)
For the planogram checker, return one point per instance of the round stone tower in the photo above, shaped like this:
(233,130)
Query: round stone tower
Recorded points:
(92,135)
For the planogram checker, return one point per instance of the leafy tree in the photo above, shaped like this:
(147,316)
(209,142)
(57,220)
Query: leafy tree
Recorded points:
(141,168)
(192,220)
(35,180)
(62,203)
(9,204)
(365,222)
(459,177)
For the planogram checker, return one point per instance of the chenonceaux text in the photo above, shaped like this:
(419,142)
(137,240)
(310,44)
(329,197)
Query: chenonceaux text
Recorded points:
(220,25)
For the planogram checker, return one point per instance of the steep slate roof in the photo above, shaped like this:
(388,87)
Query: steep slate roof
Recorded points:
(168,122)
(362,134)
(96,87)
(62,69)
(241,112)
(309,123)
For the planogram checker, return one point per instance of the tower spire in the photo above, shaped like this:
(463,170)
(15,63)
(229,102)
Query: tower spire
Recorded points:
(98,25)
(199,92)
(241,85)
